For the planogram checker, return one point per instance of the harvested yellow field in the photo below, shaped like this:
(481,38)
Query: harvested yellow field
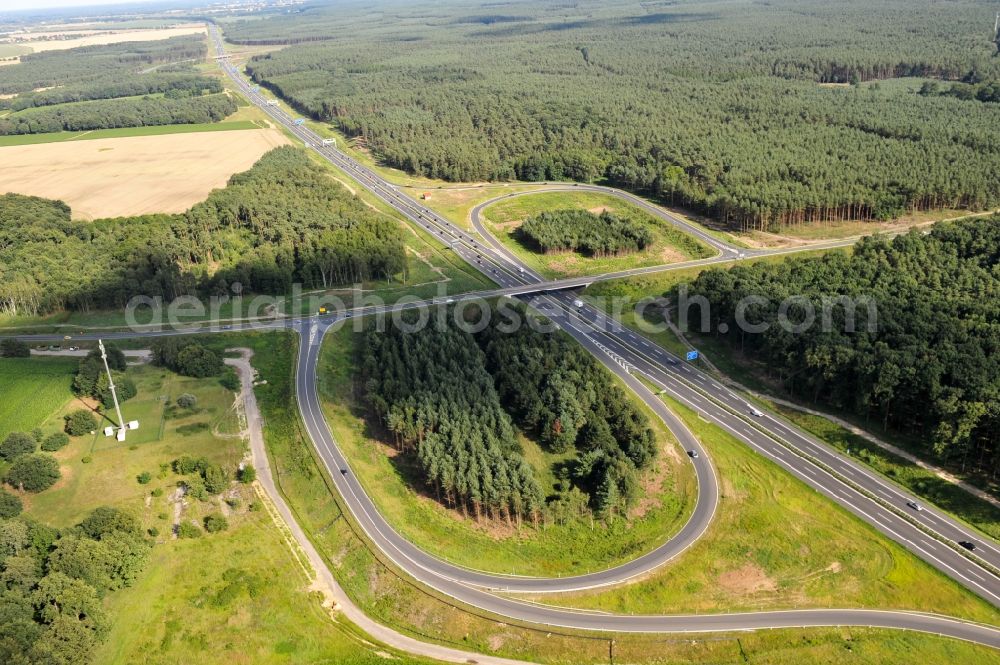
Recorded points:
(39,42)
(134,175)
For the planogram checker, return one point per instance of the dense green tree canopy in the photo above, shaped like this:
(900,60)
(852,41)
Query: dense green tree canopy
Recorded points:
(740,110)
(17,444)
(432,392)
(80,422)
(51,585)
(33,472)
(113,113)
(112,64)
(13,348)
(593,234)
(452,398)
(931,366)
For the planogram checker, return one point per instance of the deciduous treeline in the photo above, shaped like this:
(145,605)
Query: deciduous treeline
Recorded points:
(52,583)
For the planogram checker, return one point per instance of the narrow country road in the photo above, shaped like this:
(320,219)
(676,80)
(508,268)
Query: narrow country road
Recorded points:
(325,581)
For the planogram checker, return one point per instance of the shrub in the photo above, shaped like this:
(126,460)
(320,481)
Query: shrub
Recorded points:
(153,532)
(144,478)
(55,441)
(195,487)
(187,401)
(105,520)
(188,530)
(185,465)
(215,523)
(256,506)
(34,472)
(17,444)
(37,434)
(87,459)
(10,505)
(13,348)
(216,480)
(124,387)
(158,492)
(230,380)
(116,357)
(199,362)
(80,422)
(247,474)
(233,502)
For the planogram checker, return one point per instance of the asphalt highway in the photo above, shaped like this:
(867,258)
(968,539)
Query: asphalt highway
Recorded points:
(928,533)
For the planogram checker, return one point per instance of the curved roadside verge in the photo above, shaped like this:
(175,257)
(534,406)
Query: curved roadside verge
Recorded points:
(324,581)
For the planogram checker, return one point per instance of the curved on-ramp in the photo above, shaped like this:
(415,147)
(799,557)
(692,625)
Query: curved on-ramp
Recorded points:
(408,556)
(467,587)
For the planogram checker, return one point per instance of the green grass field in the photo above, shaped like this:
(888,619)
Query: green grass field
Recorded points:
(34,390)
(184,611)
(124,132)
(180,609)
(164,433)
(670,245)
(776,543)
(395,486)
(12,50)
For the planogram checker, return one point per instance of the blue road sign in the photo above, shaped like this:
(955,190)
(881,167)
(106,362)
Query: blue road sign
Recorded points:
(692,355)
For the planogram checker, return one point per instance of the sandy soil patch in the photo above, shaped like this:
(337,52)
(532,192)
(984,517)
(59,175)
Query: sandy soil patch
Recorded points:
(671,255)
(508,226)
(748,579)
(57,41)
(135,175)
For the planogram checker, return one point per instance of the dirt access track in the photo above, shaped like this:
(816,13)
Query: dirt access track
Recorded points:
(135,175)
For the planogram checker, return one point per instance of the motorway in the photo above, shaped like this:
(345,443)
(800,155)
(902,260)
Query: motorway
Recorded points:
(929,533)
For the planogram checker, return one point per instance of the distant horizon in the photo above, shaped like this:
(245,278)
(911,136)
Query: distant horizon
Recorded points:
(23,5)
